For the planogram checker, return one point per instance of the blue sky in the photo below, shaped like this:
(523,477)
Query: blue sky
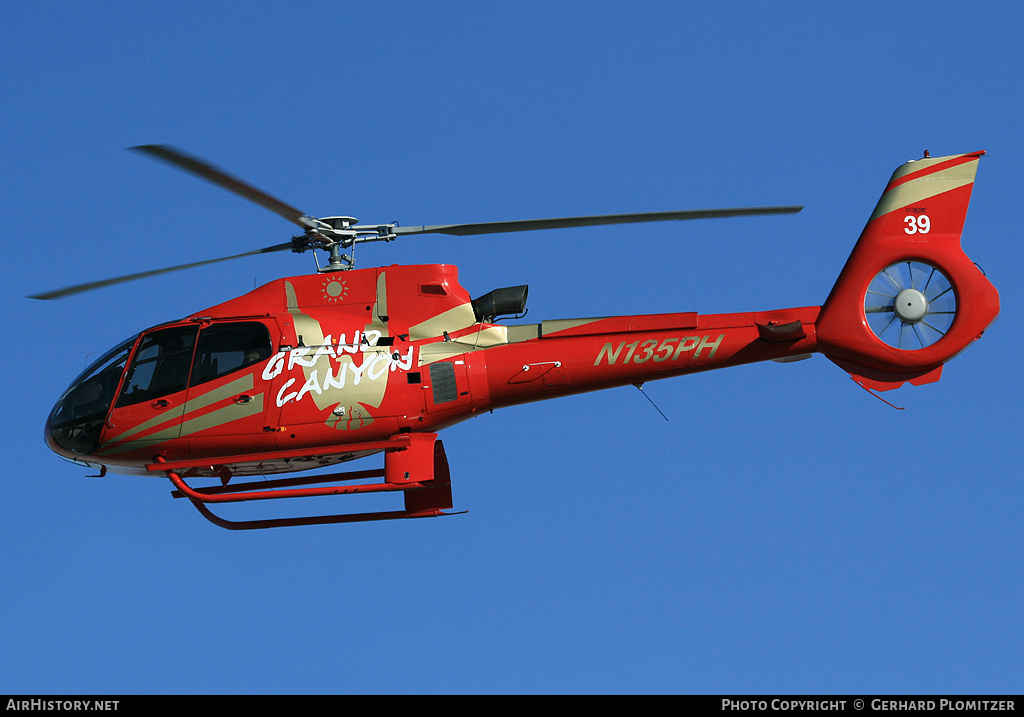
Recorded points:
(783,532)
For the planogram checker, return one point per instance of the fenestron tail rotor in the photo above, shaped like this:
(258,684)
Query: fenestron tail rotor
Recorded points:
(910,305)
(333,234)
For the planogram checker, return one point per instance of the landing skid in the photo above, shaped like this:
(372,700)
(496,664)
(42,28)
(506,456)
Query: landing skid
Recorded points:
(414,464)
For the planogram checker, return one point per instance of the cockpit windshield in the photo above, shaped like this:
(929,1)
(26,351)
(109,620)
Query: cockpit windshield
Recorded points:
(77,420)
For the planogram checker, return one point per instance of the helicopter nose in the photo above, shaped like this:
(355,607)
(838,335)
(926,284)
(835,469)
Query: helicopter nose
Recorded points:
(72,436)
(74,425)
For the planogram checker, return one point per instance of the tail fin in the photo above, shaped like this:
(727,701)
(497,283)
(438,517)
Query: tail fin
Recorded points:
(909,299)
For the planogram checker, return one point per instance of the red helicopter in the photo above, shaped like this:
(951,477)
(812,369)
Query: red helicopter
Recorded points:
(312,371)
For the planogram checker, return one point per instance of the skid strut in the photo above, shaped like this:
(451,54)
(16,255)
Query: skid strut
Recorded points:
(414,464)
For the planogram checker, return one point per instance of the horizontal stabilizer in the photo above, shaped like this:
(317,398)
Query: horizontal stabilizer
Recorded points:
(881,381)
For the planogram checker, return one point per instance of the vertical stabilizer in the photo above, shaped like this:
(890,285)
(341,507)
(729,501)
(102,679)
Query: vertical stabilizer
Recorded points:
(909,299)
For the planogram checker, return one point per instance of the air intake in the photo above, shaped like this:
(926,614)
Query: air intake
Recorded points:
(510,301)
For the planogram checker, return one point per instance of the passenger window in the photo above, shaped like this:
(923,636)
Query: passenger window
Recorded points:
(224,348)
(160,366)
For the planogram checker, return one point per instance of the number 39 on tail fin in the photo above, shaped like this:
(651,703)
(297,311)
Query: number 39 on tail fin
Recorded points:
(909,299)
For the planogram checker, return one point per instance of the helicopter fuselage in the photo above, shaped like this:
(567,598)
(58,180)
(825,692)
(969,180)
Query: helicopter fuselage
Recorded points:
(360,356)
(311,371)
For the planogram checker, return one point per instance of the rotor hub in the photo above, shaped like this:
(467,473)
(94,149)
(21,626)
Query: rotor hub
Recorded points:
(340,223)
(910,306)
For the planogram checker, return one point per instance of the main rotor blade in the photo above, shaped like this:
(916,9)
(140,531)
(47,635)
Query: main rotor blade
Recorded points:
(218,176)
(80,288)
(589,221)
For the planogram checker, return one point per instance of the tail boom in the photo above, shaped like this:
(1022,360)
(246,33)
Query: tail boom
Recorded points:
(580,355)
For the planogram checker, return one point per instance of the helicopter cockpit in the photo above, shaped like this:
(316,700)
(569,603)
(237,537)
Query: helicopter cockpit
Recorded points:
(167,360)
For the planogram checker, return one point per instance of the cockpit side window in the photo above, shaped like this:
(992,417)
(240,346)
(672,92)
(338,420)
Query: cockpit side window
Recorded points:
(160,366)
(225,348)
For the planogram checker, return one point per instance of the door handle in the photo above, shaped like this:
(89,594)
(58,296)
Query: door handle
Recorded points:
(243,399)
(160,403)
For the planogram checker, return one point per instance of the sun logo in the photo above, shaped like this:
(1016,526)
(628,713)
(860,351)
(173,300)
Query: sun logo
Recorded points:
(335,290)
